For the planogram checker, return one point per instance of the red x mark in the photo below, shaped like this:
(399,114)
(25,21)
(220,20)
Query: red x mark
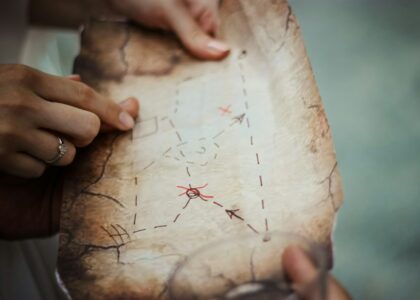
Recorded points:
(225,110)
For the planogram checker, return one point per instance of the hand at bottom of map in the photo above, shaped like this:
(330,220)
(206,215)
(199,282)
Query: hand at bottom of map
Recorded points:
(303,273)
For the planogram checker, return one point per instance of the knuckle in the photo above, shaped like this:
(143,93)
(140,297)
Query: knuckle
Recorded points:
(197,38)
(22,74)
(8,133)
(93,124)
(208,13)
(111,110)
(24,106)
(19,103)
(36,171)
(85,95)
(196,33)
(91,127)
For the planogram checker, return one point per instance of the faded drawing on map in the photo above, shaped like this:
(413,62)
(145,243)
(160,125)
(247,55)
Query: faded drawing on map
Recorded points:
(221,149)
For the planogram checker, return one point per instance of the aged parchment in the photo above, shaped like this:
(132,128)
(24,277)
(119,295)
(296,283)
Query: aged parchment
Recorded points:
(221,149)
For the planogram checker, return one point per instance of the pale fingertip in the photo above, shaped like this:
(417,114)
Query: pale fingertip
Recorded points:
(126,120)
(134,100)
(218,46)
(131,105)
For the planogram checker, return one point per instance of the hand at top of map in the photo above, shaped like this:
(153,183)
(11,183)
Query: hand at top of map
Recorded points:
(194,21)
(303,274)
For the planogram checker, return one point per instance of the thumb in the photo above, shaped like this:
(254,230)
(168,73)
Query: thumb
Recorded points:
(298,266)
(304,275)
(192,35)
(129,105)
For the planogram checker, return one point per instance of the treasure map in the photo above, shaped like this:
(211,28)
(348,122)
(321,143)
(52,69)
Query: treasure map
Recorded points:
(238,147)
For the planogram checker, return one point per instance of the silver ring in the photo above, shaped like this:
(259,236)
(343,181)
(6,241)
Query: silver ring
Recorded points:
(61,151)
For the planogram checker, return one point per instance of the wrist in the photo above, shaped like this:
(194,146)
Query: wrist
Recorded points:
(30,208)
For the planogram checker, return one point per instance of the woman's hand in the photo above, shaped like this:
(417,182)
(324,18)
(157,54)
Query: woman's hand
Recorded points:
(37,108)
(194,21)
(303,274)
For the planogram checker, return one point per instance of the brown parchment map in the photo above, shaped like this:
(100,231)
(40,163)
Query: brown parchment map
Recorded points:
(221,149)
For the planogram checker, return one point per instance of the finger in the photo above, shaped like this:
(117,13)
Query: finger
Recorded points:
(79,126)
(192,36)
(298,266)
(43,145)
(22,165)
(303,274)
(130,105)
(206,12)
(207,22)
(77,94)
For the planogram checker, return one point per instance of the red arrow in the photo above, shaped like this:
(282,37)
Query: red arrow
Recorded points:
(232,213)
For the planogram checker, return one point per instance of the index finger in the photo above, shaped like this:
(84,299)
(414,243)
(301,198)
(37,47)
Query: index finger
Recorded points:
(192,35)
(80,95)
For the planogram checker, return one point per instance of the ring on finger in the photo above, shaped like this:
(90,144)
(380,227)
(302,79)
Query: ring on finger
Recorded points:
(61,151)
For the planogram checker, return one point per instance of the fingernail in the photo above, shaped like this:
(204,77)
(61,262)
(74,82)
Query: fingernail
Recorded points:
(218,46)
(126,120)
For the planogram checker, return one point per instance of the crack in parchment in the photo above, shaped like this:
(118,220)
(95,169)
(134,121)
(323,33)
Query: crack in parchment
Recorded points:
(181,256)
(100,195)
(85,190)
(251,264)
(314,106)
(101,175)
(103,168)
(164,291)
(289,17)
(307,105)
(329,179)
(92,247)
(230,282)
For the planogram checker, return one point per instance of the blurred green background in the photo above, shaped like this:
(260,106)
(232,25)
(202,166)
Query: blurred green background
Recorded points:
(366,59)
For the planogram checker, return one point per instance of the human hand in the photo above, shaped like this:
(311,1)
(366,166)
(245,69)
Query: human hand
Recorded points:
(194,21)
(36,108)
(303,274)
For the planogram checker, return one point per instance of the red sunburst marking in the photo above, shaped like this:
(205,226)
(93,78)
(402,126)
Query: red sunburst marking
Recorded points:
(194,192)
